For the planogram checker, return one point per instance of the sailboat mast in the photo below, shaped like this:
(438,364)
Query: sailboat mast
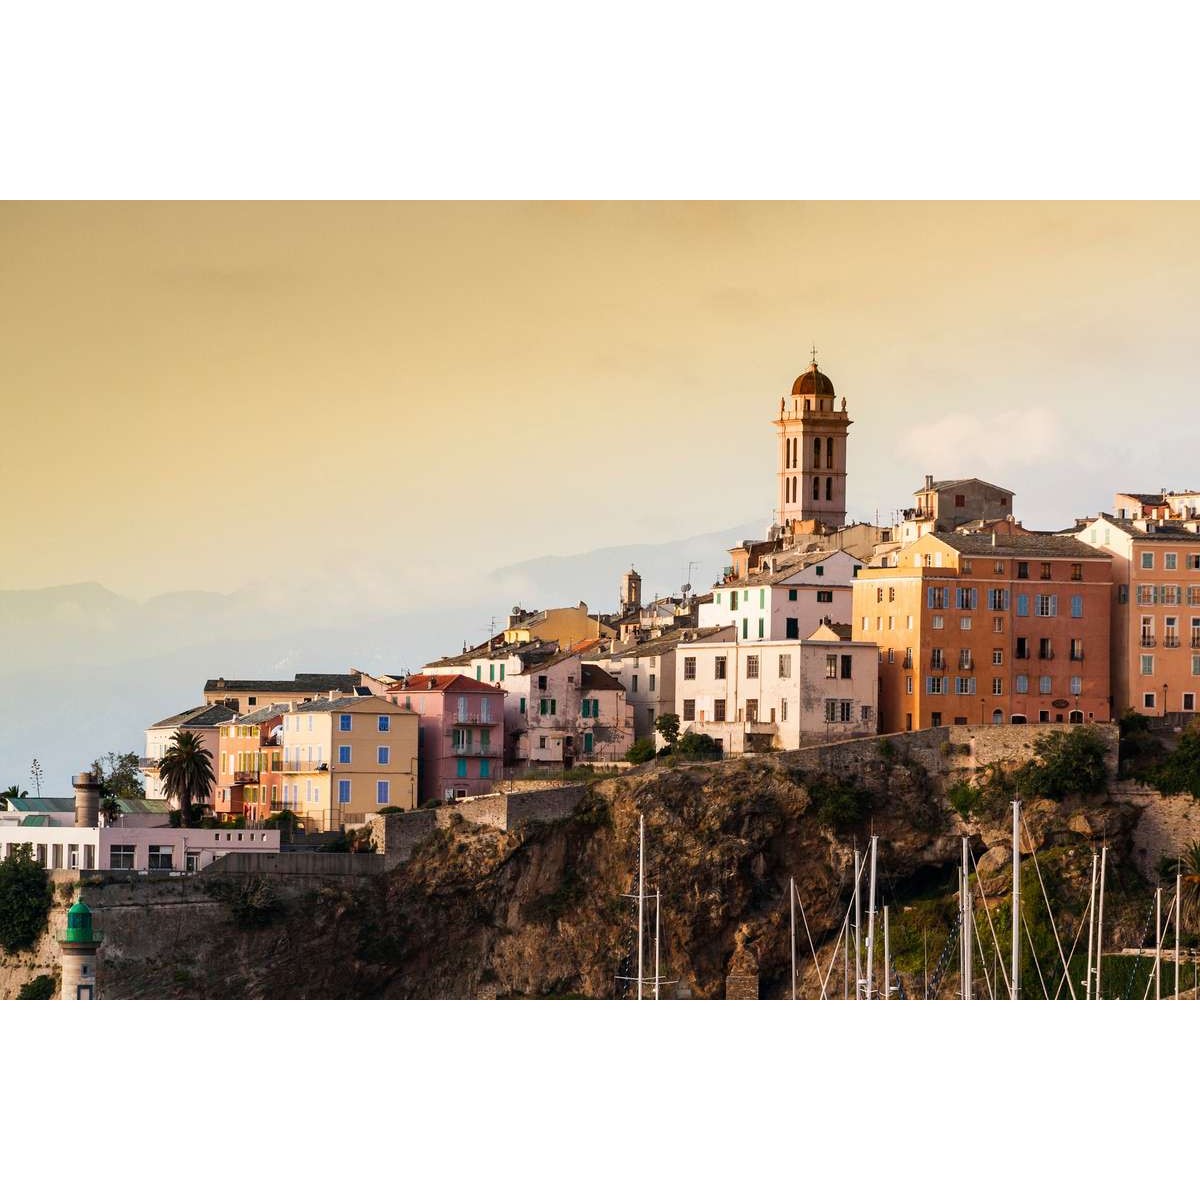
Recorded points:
(871,925)
(1178,915)
(657,974)
(967,947)
(857,923)
(887,957)
(1100,922)
(641,902)
(1158,943)
(792,906)
(1091,929)
(1016,901)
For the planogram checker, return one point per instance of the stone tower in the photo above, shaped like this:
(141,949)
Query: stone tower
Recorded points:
(812,452)
(79,944)
(631,591)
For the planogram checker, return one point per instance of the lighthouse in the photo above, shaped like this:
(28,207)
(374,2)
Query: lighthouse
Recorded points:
(79,944)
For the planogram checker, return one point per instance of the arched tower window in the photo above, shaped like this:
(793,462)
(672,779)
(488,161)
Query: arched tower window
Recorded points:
(829,452)
(816,487)
(816,452)
(828,487)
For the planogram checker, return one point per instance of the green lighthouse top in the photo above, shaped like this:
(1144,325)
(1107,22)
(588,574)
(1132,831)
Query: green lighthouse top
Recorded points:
(79,924)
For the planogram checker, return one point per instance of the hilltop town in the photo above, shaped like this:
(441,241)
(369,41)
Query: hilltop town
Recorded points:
(823,632)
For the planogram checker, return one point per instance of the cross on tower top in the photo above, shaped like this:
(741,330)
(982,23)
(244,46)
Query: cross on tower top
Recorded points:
(814,354)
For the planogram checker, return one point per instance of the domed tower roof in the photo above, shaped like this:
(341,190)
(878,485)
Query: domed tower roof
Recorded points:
(79,924)
(813,383)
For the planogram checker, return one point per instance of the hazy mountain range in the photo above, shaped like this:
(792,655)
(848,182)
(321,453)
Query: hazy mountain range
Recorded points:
(84,670)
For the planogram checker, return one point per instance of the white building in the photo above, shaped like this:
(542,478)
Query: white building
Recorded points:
(204,721)
(779,694)
(791,594)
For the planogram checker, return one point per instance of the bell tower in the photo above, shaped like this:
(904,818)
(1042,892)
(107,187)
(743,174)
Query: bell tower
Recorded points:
(812,452)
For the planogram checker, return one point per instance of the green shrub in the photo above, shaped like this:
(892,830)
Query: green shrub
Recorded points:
(25,898)
(963,796)
(1180,770)
(1065,764)
(641,751)
(668,725)
(837,804)
(254,904)
(697,746)
(41,988)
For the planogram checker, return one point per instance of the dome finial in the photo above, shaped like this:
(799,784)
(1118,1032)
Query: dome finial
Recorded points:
(814,354)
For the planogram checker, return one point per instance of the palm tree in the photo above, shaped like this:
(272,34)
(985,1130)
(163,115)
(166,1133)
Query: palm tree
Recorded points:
(12,793)
(186,772)
(1189,870)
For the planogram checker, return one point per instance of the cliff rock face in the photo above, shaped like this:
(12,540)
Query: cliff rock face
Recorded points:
(544,911)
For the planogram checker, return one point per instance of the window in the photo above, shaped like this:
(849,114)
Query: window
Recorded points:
(964,685)
(997,624)
(345,722)
(161,858)
(966,597)
(828,487)
(120,858)
(382,789)
(793,593)
(998,599)
(831,666)
(935,685)
(1076,572)
(785,666)
(1171,593)
(938,597)
(1077,649)
(718,710)
(999,567)
(751,666)
(343,791)
(1147,664)
(964,622)
(939,622)
(733,601)
(479,674)
(1022,684)
(966,660)
(1045,649)
(1076,685)
(891,656)
(1045,685)
(960,501)
(1046,605)
(521,704)
(1046,573)
(1196,664)
(1077,606)
(383,755)
(751,710)
(541,743)
(719,667)
(544,705)
(485,767)
(997,658)
(343,755)
(1149,699)
(491,672)
(1147,560)
(542,681)
(997,686)
(689,710)
(824,597)
(591,708)
(847,666)
(908,685)
(653,681)
(633,685)
(460,768)
(1022,604)
(689,667)
(937,659)
(1189,701)
(792,630)
(1022,570)
(1147,594)
(745,627)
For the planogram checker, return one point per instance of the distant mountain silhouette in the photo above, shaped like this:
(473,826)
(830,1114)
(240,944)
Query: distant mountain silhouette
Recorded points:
(84,670)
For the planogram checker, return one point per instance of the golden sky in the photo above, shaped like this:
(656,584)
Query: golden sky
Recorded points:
(211,395)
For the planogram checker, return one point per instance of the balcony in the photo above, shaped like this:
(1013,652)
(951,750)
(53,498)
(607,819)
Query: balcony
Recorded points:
(966,664)
(1147,640)
(302,766)
(1195,643)
(1077,656)
(1045,654)
(476,751)
(245,777)
(936,663)
(149,764)
(474,720)
(1171,641)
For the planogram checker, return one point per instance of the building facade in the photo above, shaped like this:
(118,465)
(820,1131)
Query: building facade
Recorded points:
(250,754)
(460,731)
(346,757)
(971,631)
(203,722)
(778,695)
(1155,611)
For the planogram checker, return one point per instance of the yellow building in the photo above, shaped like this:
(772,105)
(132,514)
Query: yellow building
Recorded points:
(345,758)
(566,626)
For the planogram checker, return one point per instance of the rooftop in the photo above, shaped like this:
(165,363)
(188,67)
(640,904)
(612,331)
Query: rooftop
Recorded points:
(204,716)
(596,679)
(1152,530)
(261,715)
(1030,545)
(303,682)
(444,683)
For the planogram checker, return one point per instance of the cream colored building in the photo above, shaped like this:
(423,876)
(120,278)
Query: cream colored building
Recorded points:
(566,626)
(346,757)
(781,695)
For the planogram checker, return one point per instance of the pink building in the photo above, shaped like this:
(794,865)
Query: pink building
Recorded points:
(460,734)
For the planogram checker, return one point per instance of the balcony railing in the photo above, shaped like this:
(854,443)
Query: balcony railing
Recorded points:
(477,751)
(966,664)
(1171,641)
(1195,643)
(1077,656)
(474,720)
(149,764)
(302,766)
(245,777)
(1045,654)
(1147,640)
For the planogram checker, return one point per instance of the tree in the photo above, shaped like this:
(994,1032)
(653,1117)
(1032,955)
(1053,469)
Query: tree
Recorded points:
(119,776)
(641,751)
(25,899)
(1070,764)
(37,775)
(668,725)
(12,793)
(186,772)
(697,745)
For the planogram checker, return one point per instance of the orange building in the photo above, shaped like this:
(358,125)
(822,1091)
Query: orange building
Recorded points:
(248,765)
(972,631)
(1155,612)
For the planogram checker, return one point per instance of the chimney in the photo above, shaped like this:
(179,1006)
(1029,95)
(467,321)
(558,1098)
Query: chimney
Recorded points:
(929,483)
(87,800)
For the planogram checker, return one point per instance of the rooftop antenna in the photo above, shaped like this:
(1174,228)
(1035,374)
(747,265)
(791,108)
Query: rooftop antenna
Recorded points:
(689,574)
